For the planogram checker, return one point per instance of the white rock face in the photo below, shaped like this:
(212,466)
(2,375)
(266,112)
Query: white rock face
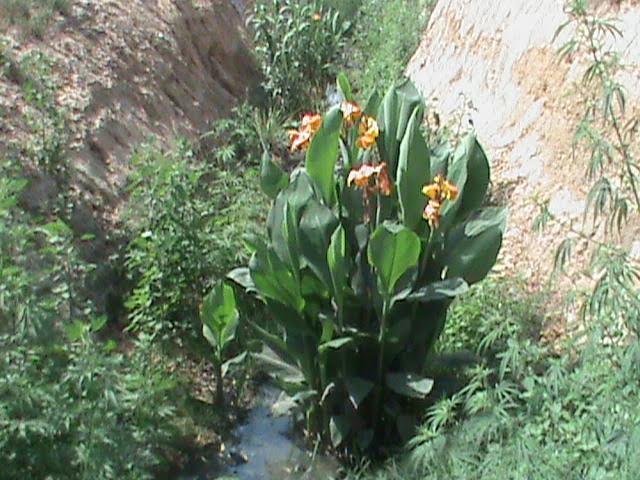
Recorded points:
(497,60)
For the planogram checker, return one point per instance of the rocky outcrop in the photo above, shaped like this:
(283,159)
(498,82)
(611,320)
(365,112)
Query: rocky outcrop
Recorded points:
(496,61)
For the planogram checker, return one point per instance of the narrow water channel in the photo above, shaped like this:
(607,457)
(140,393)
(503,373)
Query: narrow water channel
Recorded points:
(265,449)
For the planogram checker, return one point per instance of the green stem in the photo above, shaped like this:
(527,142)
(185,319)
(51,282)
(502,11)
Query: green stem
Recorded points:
(219,386)
(425,257)
(381,354)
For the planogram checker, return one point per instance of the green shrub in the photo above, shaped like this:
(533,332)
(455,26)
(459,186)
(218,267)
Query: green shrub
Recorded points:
(46,121)
(220,318)
(296,43)
(522,403)
(75,408)
(241,138)
(70,406)
(185,221)
(386,35)
(359,269)
(348,9)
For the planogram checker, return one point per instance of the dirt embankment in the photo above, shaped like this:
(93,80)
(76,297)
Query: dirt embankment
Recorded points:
(497,61)
(127,71)
(130,70)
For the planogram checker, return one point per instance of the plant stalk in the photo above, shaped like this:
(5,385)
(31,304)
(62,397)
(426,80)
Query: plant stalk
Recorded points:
(381,354)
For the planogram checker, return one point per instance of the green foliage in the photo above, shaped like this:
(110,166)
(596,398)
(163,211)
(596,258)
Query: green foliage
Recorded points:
(41,283)
(296,43)
(46,120)
(185,220)
(31,16)
(386,35)
(246,134)
(220,318)
(71,406)
(352,286)
(348,9)
(607,136)
(77,409)
(521,403)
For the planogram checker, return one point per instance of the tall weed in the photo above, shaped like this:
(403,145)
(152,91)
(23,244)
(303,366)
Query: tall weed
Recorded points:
(187,221)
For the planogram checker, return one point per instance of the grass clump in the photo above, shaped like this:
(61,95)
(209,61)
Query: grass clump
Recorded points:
(386,35)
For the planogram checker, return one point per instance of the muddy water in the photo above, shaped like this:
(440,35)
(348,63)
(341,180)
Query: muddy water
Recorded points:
(265,450)
(265,442)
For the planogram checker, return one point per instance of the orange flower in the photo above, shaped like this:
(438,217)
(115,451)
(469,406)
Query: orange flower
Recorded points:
(371,178)
(432,213)
(441,189)
(438,192)
(369,132)
(384,182)
(300,139)
(317,17)
(312,121)
(450,190)
(432,191)
(351,112)
(361,176)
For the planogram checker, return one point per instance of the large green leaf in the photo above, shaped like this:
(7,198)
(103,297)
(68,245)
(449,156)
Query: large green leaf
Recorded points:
(316,228)
(290,234)
(272,177)
(393,250)
(410,99)
(409,384)
(485,219)
(339,428)
(344,87)
(338,262)
(456,174)
(233,362)
(388,120)
(297,194)
(413,173)
(471,248)
(372,105)
(219,316)
(274,342)
(242,276)
(478,172)
(279,369)
(396,110)
(358,389)
(273,279)
(335,344)
(469,171)
(441,290)
(323,154)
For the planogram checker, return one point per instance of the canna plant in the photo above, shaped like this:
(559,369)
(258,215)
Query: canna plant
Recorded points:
(368,244)
(219,317)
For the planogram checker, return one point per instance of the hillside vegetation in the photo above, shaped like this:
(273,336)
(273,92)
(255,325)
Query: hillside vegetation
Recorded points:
(130,342)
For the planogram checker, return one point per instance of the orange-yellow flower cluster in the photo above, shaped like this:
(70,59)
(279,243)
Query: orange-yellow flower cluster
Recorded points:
(369,132)
(438,192)
(301,138)
(371,178)
(351,112)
